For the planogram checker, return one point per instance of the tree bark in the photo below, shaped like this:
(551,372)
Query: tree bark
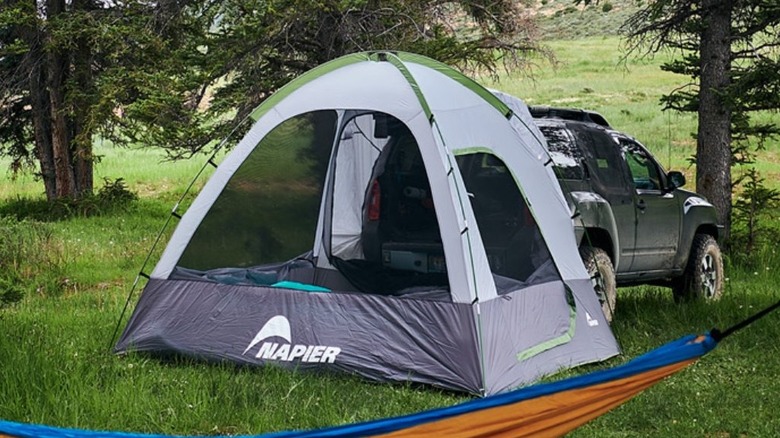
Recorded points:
(42,131)
(82,125)
(60,137)
(713,152)
(39,101)
(66,186)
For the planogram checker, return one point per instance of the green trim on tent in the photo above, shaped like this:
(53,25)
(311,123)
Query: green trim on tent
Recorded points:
(462,213)
(460,78)
(397,59)
(569,335)
(560,340)
(393,59)
(480,344)
(304,79)
(473,150)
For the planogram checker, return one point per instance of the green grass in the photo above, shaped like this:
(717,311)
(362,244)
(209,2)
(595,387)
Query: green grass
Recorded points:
(147,171)
(728,393)
(594,73)
(56,367)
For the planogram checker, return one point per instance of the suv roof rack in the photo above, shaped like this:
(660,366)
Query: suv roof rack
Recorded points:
(546,112)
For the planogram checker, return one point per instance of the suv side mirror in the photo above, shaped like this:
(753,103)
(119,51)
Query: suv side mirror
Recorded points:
(677,179)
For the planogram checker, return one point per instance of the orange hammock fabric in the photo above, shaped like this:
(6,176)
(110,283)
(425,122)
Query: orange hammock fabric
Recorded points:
(548,409)
(553,415)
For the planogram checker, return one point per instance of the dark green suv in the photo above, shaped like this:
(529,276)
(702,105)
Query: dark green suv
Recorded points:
(634,223)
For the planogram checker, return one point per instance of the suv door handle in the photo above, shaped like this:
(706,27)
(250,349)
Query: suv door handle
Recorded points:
(640,204)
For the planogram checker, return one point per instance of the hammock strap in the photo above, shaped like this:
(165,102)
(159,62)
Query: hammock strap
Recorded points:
(718,335)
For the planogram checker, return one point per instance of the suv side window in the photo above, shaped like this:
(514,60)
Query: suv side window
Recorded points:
(644,171)
(566,156)
(604,162)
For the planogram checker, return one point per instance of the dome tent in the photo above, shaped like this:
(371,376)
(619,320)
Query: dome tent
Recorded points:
(384,216)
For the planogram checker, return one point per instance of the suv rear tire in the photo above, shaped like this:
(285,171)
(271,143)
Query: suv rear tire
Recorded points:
(703,276)
(602,276)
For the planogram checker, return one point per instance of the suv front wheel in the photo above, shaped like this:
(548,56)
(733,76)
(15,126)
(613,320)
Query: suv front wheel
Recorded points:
(602,276)
(703,276)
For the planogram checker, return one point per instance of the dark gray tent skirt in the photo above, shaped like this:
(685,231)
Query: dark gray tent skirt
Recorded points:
(379,337)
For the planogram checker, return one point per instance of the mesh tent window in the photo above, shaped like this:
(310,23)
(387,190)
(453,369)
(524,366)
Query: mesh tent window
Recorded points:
(268,210)
(511,236)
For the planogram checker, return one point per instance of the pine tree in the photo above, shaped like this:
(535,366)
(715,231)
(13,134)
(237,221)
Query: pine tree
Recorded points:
(731,51)
(180,74)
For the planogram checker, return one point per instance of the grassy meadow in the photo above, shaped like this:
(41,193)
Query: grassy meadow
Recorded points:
(76,273)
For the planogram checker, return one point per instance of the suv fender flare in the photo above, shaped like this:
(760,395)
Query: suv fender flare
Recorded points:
(592,211)
(698,216)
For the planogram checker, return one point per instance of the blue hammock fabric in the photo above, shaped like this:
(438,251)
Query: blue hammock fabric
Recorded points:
(500,413)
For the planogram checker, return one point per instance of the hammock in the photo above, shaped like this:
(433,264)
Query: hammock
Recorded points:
(547,409)
(550,408)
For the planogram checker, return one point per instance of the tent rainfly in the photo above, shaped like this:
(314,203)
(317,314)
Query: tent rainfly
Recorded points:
(384,216)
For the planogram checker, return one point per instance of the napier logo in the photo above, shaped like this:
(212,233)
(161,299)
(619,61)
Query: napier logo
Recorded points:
(279,327)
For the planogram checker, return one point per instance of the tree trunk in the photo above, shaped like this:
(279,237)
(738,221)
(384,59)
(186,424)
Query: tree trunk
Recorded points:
(82,125)
(66,186)
(42,131)
(39,99)
(60,136)
(713,152)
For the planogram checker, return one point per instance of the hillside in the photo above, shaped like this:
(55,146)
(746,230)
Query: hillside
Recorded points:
(563,20)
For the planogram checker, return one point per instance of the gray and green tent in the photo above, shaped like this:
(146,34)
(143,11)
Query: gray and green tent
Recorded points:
(384,216)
